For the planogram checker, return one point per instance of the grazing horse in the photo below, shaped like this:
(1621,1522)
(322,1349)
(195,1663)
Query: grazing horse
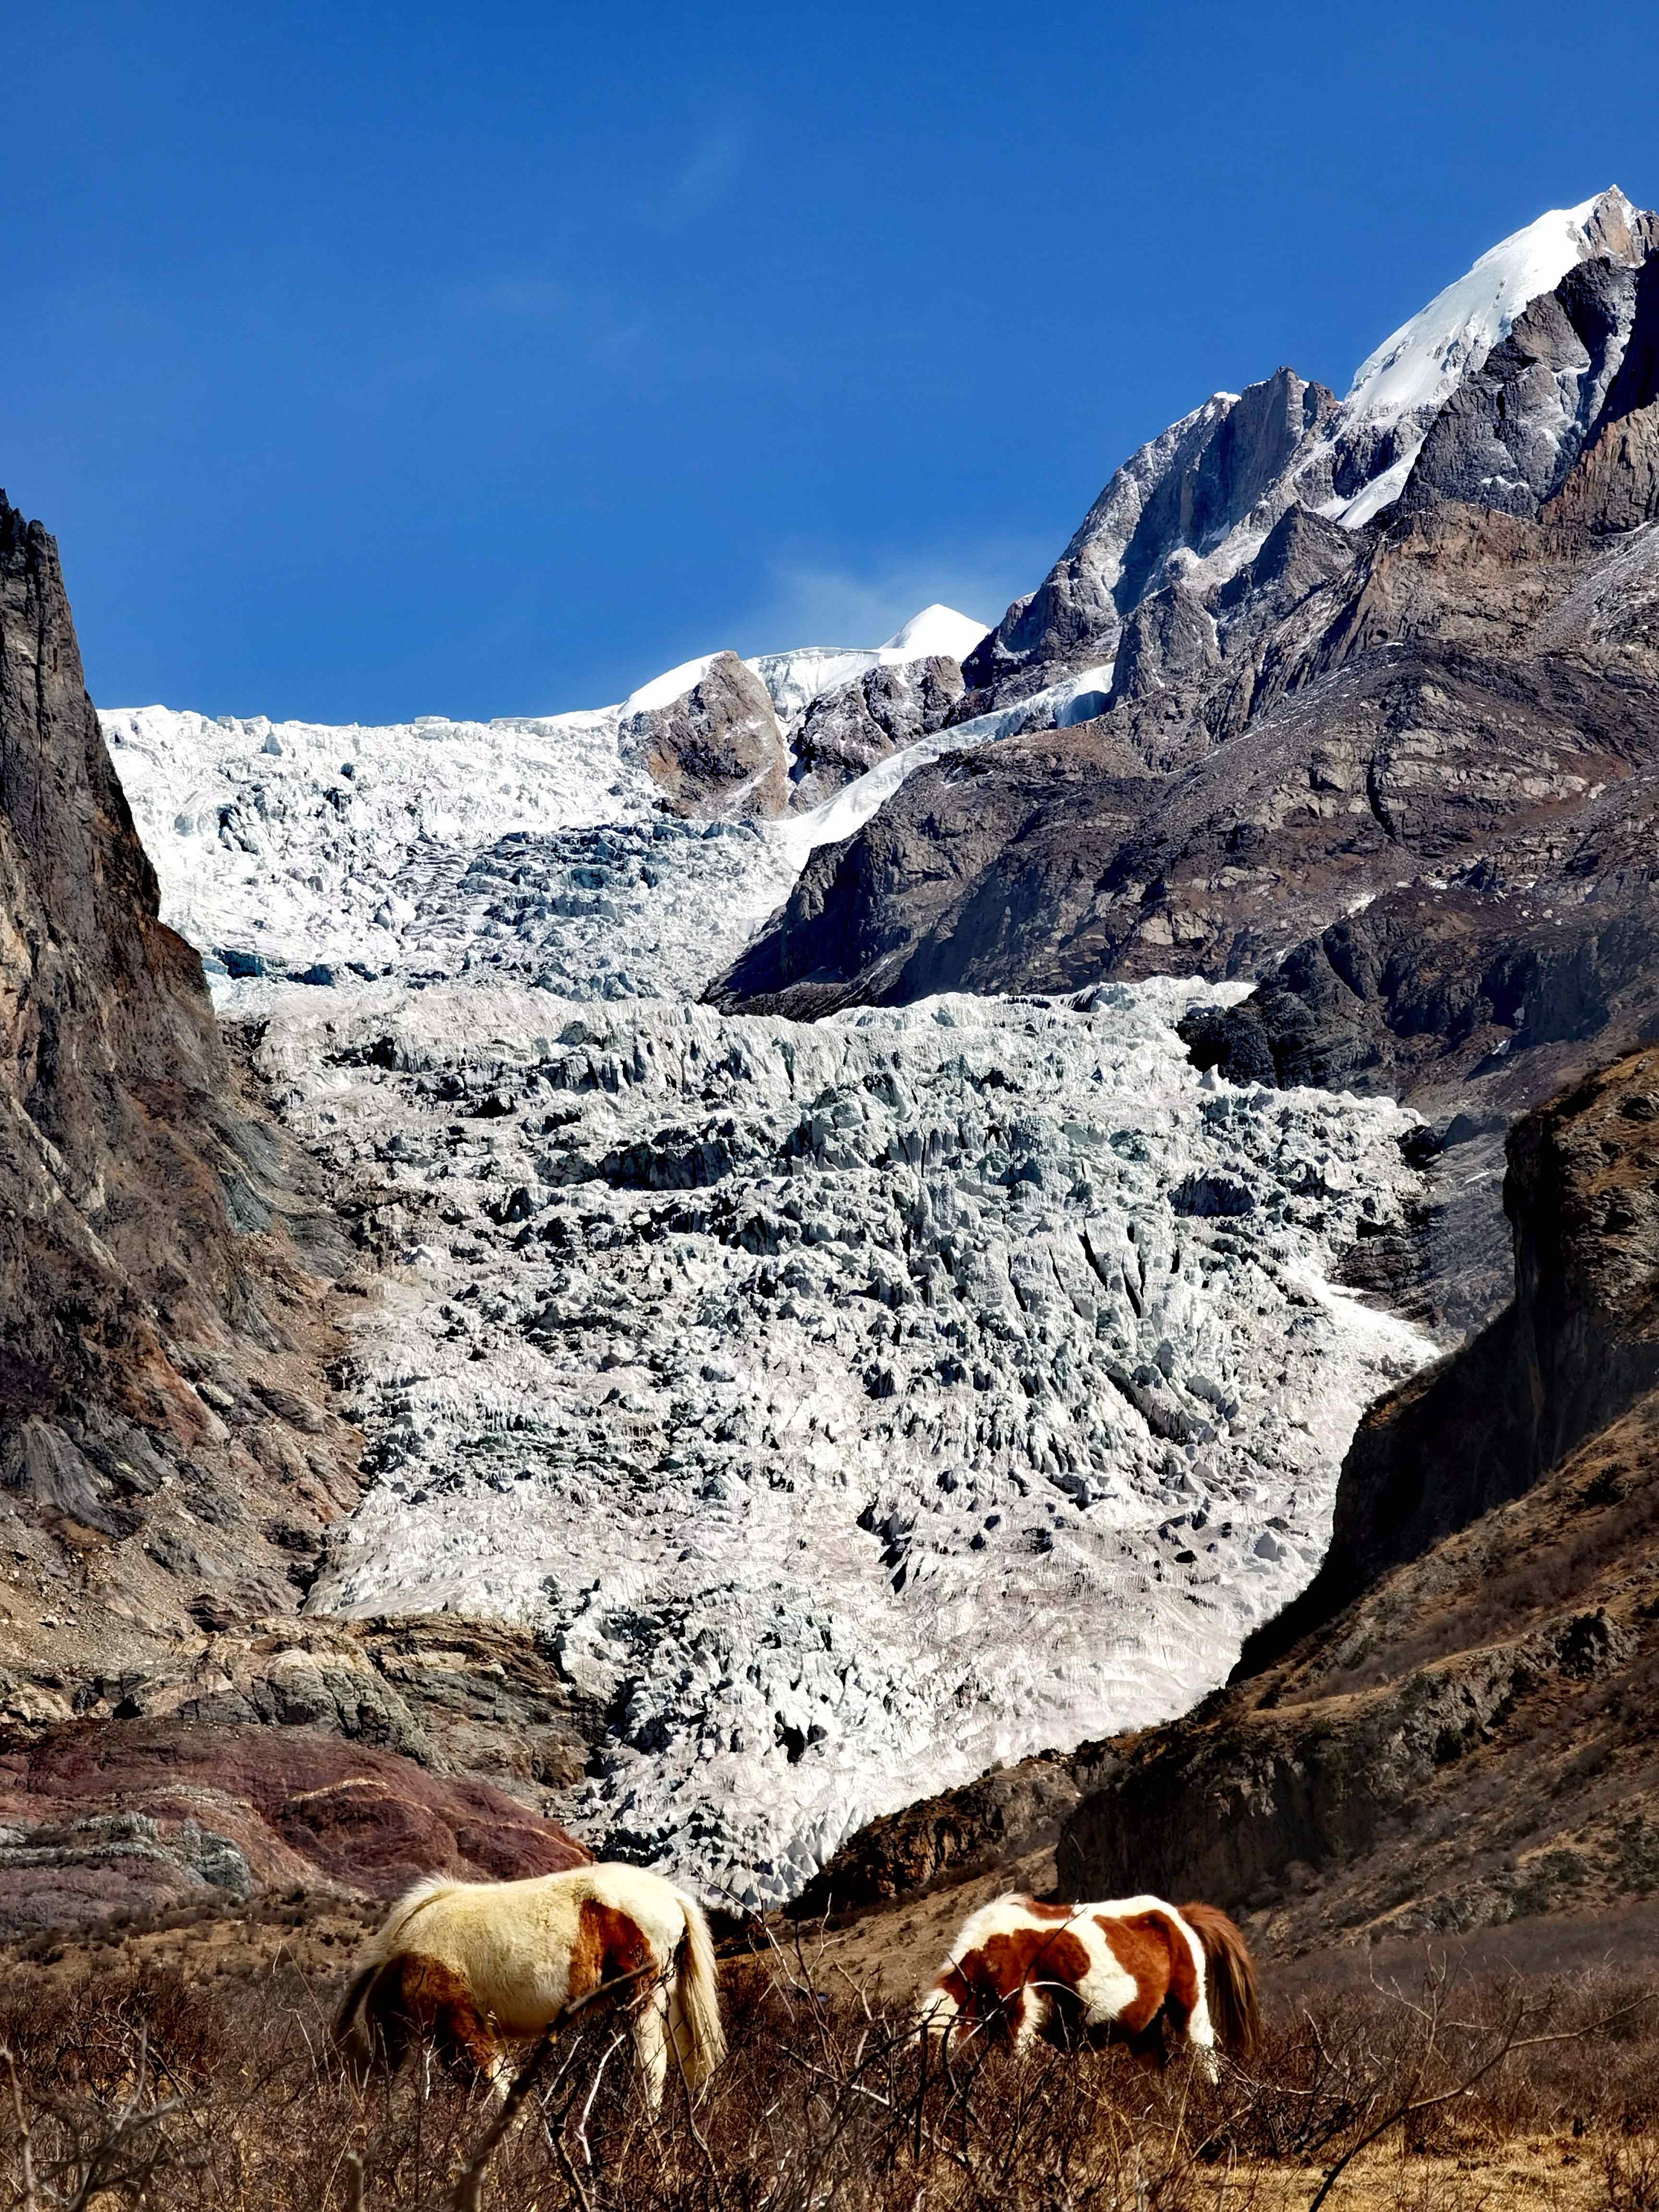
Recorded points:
(1123,1970)
(474,1963)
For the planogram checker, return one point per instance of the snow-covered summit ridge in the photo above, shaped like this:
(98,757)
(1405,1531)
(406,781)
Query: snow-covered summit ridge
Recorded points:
(1399,389)
(1418,365)
(1192,505)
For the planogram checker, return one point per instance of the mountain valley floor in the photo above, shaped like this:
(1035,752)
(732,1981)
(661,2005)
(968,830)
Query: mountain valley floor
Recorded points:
(180,2062)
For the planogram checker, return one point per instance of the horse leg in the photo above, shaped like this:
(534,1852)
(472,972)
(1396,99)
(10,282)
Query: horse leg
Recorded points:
(1201,2034)
(1028,2015)
(386,2028)
(650,2027)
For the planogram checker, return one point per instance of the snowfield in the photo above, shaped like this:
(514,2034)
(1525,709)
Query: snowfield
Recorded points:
(347,852)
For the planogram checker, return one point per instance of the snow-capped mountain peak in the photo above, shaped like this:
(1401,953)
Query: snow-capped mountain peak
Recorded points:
(1399,389)
(1417,365)
(1195,503)
(935,629)
(796,678)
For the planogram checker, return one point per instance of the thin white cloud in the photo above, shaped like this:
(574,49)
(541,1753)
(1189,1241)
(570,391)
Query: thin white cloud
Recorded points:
(592,324)
(701,181)
(817,602)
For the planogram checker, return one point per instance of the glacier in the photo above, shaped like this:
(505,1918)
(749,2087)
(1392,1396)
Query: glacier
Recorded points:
(848,1406)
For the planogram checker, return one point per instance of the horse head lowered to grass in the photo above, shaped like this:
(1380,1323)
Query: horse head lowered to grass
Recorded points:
(474,1964)
(1133,1970)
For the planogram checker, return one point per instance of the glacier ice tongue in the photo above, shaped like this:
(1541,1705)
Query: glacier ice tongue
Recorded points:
(850,1404)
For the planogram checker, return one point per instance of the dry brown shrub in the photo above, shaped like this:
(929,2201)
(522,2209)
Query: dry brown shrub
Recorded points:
(134,2089)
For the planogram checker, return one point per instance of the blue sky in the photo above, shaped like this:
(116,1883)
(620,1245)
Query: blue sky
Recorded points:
(371,361)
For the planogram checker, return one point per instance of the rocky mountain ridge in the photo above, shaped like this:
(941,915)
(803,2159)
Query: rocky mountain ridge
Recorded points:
(1195,503)
(1401,773)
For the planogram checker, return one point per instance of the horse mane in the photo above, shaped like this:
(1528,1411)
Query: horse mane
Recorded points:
(1229,1975)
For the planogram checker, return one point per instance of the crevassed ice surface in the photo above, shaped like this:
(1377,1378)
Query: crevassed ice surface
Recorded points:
(851,1404)
(433,849)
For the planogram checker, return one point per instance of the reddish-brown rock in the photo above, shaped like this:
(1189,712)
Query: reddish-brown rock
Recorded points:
(124,1816)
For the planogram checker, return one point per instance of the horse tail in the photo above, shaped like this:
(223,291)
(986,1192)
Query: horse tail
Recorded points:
(694,1998)
(1228,1976)
(345,2031)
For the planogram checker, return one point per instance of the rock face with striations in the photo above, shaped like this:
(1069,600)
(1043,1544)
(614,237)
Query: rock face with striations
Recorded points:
(1179,498)
(719,750)
(155,1237)
(170,1275)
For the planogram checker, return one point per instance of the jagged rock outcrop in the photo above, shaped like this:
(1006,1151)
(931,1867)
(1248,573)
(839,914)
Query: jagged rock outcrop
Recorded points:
(109,1033)
(1008,1812)
(157,1240)
(718,749)
(1183,493)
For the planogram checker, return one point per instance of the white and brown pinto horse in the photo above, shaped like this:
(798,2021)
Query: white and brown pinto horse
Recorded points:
(1129,1971)
(473,1964)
